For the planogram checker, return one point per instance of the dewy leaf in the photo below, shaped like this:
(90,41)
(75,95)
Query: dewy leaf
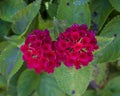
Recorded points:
(10,61)
(71,12)
(23,19)
(48,86)
(111,52)
(115,4)
(73,82)
(4,28)
(8,8)
(27,83)
(100,11)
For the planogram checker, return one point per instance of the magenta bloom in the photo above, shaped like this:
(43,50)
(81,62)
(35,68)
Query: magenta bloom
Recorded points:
(75,46)
(38,52)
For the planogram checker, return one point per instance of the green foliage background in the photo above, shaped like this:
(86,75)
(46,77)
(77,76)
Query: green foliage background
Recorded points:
(20,17)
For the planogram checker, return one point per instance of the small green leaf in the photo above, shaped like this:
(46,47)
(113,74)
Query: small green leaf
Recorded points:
(100,11)
(27,83)
(73,82)
(48,86)
(23,19)
(8,8)
(10,61)
(115,4)
(71,12)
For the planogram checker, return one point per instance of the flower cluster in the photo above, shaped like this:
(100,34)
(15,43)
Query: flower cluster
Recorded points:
(74,47)
(38,52)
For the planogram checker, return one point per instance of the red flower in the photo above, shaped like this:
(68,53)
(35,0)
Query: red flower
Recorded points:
(38,52)
(74,47)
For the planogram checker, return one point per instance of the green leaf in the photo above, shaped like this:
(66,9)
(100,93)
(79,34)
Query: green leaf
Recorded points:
(8,8)
(72,12)
(48,86)
(100,11)
(111,52)
(73,82)
(4,28)
(27,83)
(115,4)
(23,19)
(112,28)
(10,61)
